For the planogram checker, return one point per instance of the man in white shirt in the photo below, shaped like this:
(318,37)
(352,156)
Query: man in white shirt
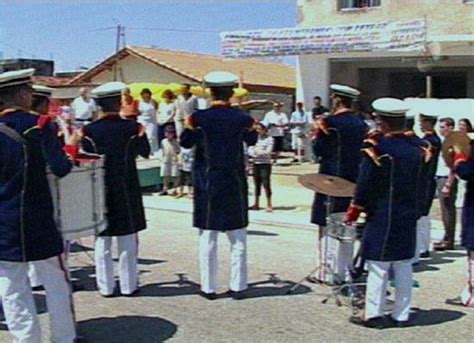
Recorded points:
(446,189)
(277,123)
(299,123)
(187,104)
(84,107)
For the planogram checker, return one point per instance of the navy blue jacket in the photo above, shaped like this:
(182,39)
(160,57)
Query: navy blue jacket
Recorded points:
(465,171)
(118,140)
(388,190)
(220,182)
(430,190)
(28,231)
(338,146)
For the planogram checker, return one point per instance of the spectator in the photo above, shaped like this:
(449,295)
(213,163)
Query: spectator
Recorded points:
(261,154)
(300,124)
(446,190)
(128,106)
(166,114)
(276,121)
(318,109)
(84,107)
(185,168)
(465,125)
(169,161)
(147,108)
(186,104)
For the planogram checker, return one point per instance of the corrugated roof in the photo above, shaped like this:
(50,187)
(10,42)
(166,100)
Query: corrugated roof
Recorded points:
(194,66)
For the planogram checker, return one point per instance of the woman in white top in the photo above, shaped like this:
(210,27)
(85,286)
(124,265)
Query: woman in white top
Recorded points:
(166,114)
(147,108)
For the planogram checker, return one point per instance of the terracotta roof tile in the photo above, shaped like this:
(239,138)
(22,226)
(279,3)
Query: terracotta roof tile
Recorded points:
(51,81)
(194,66)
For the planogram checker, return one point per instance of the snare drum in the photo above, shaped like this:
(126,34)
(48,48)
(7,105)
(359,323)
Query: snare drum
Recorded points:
(338,230)
(79,199)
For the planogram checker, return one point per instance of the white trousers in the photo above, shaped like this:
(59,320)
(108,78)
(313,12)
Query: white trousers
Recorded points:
(19,306)
(335,258)
(127,248)
(377,288)
(423,236)
(467,295)
(209,263)
(33,276)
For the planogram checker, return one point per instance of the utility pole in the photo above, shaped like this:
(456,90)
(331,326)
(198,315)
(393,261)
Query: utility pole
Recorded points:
(119,43)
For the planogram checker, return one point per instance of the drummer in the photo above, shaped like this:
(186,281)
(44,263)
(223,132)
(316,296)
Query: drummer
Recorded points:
(337,142)
(120,140)
(28,233)
(387,190)
(40,105)
(464,168)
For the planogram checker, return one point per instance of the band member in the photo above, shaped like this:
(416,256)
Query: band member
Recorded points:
(464,168)
(337,143)
(40,105)
(387,190)
(427,125)
(121,141)
(220,196)
(28,232)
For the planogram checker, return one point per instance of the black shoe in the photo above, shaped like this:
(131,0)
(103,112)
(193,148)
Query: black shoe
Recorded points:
(313,279)
(38,288)
(454,301)
(425,254)
(135,292)
(208,296)
(163,193)
(76,287)
(396,323)
(373,323)
(235,295)
(112,295)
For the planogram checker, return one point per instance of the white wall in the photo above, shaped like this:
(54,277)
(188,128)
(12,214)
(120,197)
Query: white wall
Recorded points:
(133,69)
(312,78)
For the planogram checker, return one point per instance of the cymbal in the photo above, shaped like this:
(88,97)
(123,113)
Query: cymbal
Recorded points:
(455,139)
(327,184)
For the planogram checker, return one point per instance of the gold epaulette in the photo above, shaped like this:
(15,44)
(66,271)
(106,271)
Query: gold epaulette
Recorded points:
(427,151)
(373,155)
(371,137)
(322,124)
(13,110)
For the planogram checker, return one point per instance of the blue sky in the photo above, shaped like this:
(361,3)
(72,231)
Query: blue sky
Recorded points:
(64,30)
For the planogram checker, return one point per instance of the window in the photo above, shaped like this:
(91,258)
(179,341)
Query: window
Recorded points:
(354,4)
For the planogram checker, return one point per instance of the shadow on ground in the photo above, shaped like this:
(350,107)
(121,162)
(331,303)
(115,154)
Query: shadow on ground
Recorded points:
(126,329)
(182,286)
(434,316)
(261,233)
(437,258)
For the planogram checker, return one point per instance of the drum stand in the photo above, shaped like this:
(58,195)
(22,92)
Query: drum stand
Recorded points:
(328,268)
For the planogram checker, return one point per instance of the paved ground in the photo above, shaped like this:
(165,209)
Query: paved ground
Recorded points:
(279,255)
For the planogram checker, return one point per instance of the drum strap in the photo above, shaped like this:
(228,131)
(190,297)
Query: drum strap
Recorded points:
(9,132)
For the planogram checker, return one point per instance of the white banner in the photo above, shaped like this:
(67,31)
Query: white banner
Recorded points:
(385,36)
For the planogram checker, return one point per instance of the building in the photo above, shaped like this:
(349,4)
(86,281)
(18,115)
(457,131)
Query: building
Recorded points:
(447,71)
(43,67)
(264,80)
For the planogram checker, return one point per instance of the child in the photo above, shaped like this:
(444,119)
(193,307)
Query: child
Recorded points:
(169,160)
(185,177)
(261,155)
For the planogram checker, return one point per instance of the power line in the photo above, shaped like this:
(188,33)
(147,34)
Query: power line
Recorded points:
(171,29)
